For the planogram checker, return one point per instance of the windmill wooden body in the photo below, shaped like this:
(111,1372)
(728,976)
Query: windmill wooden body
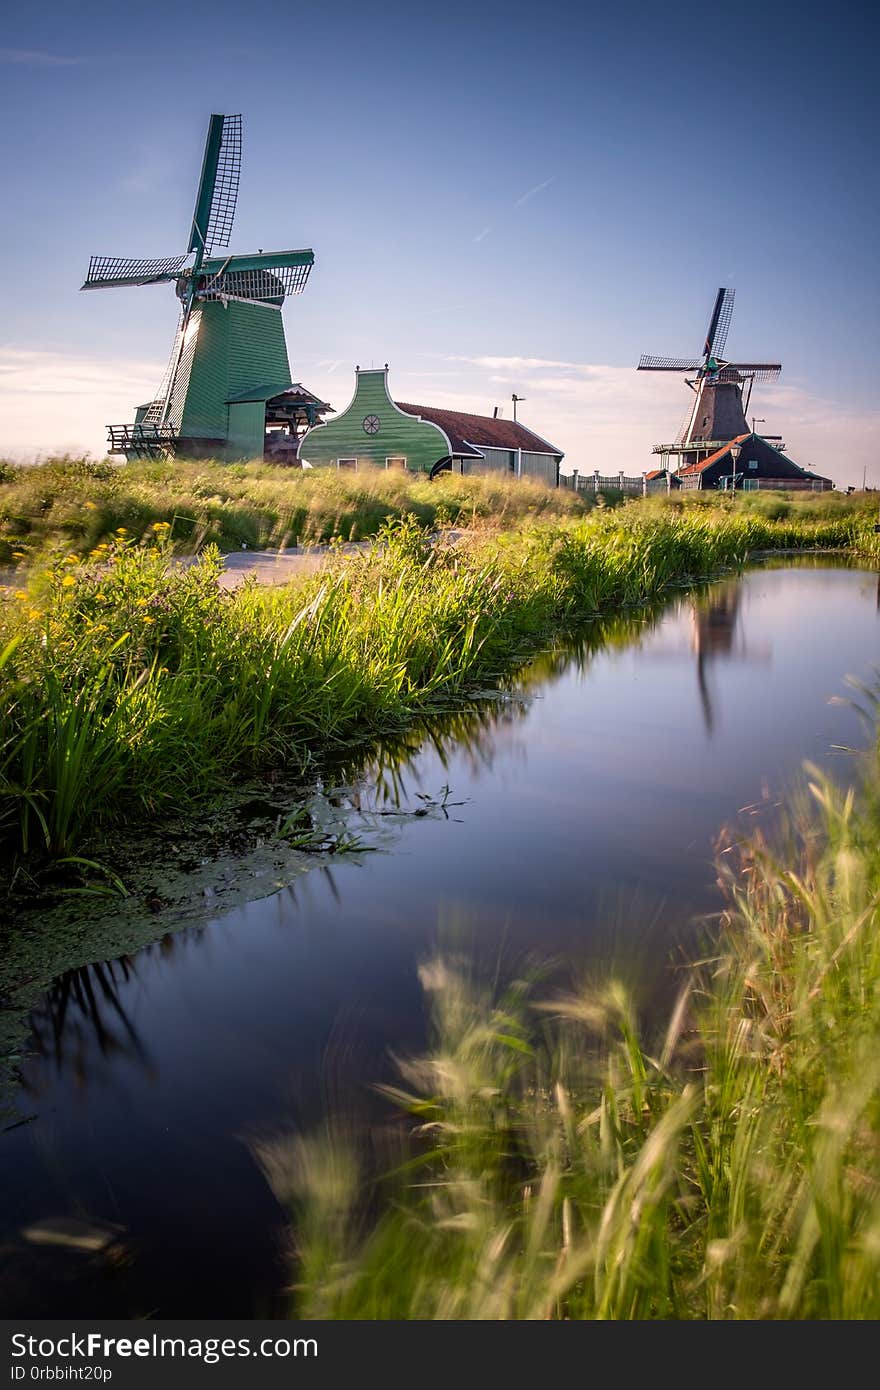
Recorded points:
(722,391)
(227,391)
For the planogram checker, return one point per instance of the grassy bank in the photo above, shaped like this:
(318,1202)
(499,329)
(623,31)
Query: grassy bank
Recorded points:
(71,506)
(563,1166)
(129,687)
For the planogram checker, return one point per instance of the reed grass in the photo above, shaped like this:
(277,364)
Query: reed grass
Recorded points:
(563,1165)
(66,505)
(71,505)
(128,686)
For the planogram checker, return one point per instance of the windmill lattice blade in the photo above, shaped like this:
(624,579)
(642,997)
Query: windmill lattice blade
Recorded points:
(107,271)
(761,371)
(667,364)
(225,194)
(719,323)
(266,278)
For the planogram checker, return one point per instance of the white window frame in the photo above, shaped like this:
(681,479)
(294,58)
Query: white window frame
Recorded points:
(351,463)
(397,458)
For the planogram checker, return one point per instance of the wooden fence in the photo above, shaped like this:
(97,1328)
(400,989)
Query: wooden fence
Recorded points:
(640,486)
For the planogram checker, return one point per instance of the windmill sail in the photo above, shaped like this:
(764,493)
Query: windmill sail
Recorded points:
(267,278)
(719,323)
(218,186)
(760,371)
(668,364)
(113,271)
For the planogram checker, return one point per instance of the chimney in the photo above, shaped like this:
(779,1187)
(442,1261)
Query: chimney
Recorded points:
(498,413)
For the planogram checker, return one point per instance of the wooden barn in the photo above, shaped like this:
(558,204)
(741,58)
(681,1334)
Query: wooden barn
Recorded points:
(748,463)
(375,431)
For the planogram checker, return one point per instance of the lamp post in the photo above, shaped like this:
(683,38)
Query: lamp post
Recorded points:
(735,451)
(516,398)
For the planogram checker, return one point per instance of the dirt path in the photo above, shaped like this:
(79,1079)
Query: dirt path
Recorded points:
(275,566)
(278,566)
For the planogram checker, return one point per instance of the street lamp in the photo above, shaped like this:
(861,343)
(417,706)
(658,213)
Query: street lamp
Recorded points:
(735,451)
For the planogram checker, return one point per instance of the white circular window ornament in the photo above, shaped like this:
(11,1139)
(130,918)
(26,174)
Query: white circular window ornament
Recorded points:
(371,424)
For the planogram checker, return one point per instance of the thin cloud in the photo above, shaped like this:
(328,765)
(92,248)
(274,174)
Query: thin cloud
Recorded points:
(87,393)
(520,364)
(38,58)
(531,193)
(538,188)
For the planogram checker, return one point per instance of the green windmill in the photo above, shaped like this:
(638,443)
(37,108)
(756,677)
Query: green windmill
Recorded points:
(227,391)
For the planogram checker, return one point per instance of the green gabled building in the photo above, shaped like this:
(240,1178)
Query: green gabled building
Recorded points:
(375,431)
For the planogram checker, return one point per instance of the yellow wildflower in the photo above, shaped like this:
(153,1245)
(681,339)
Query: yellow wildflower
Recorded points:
(90,506)
(21,593)
(121,531)
(142,602)
(148,619)
(67,581)
(71,559)
(18,554)
(34,613)
(100,596)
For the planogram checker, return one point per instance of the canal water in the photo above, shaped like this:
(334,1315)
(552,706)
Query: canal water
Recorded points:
(572,821)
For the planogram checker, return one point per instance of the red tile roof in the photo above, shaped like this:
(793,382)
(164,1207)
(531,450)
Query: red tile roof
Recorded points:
(713,458)
(481,431)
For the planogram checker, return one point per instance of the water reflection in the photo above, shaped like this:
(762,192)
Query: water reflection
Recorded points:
(149,1075)
(80,1019)
(471,732)
(715,621)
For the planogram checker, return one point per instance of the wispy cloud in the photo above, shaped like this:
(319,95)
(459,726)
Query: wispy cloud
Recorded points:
(530,193)
(518,364)
(54,401)
(38,58)
(538,188)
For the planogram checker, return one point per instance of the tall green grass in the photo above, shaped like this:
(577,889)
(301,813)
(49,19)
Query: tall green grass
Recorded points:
(563,1165)
(129,686)
(71,505)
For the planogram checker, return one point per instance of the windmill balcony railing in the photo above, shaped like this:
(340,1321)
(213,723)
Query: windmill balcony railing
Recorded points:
(149,440)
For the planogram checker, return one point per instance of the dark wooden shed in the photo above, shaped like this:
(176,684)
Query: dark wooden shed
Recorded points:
(759,465)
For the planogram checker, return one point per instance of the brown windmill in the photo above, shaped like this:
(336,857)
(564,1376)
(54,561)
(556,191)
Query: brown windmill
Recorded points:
(722,390)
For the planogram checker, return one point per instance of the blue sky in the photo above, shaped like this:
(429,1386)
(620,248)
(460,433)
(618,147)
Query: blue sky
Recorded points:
(501,197)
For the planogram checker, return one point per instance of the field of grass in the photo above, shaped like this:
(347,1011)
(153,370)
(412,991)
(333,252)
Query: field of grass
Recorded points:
(68,505)
(128,687)
(562,1165)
